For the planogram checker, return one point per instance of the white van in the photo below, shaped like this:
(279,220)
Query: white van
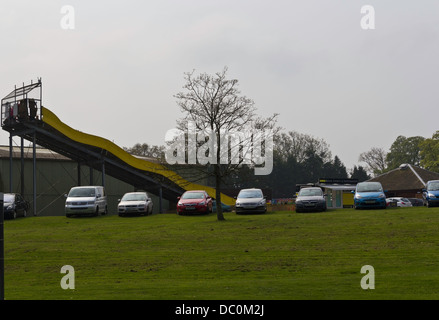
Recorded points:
(86,200)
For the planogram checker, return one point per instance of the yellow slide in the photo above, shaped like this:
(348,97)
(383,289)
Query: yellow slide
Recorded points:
(51,119)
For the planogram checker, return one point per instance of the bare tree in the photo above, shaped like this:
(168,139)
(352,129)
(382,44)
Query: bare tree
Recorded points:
(295,144)
(226,128)
(375,159)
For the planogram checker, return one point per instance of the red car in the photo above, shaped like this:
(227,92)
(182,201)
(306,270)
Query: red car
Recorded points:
(195,201)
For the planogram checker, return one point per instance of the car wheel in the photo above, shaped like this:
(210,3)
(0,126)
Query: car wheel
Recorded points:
(14,214)
(24,213)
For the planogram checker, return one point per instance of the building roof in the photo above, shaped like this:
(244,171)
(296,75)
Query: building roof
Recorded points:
(338,187)
(406,177)
(40,153)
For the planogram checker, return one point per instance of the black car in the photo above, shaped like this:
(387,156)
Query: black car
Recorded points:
(14,205)
(416,202)
(310,199)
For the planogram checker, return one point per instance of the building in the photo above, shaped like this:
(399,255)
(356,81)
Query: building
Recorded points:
(55,175)
(405,181)
(338,192)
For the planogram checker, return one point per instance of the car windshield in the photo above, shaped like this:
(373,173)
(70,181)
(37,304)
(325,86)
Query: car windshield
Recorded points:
(134,197)
(433,186)
(310,192)
(82,192)
(369,187)
(405,199)
(250,194)
(193,195)
(9,198)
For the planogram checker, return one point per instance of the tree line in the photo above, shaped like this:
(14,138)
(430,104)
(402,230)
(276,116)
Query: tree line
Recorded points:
(301,158)
(418,151)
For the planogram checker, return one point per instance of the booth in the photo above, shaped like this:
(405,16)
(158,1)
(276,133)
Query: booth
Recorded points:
(338,192)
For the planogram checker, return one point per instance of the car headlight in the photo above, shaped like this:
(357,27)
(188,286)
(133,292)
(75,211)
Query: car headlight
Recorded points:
(202,203)
(10,207)
(179,204)
(431,195)
(237,204)
(381,195)
(261,203)
(357,196)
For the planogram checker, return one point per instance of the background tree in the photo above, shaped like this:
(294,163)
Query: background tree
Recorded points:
(146,150)
(404,150)
(300,146)
(375,160)
(429,152)
(301,158)
(213,103)
(335,169)
(359,173)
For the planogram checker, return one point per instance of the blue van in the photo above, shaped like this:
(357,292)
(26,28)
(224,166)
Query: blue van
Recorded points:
(431,193)
(369,195)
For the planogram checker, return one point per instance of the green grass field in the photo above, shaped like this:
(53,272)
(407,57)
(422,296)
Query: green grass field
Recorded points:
(279,255)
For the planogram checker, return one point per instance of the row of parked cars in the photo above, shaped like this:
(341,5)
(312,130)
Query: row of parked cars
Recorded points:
(92,200)
(367,195)
(198,201)
(371,194)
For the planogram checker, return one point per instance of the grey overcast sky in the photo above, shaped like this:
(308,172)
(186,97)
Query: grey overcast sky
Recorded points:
(116,73)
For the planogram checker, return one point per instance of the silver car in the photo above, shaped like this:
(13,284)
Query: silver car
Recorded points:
(250,200)
(139,203)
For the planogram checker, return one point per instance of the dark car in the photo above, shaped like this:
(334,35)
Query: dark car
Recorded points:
(195,201)
(416,202)
(14,205)
(310,199)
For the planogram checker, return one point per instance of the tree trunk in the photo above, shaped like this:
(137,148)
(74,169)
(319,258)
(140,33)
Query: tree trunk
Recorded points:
(219,208)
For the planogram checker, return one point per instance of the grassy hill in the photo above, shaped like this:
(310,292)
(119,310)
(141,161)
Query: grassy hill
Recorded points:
(279,255)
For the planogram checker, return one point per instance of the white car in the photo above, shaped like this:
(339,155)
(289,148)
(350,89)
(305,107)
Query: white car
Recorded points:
(400,202)
(91,200)
(139,203)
